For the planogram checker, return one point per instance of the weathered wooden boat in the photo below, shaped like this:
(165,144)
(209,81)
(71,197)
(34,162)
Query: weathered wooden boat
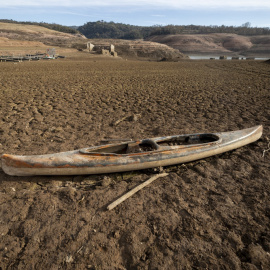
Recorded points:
(132,155)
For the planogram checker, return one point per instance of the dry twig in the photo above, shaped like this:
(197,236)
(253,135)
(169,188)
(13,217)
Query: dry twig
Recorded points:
(136,189)
(116,140)
(268,149)
(120,120)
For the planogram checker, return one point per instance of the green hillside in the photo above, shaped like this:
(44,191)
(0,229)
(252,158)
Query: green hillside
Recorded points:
(102,29)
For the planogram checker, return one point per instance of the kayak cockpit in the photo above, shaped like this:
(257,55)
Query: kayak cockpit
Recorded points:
(147,145)
(150,145)
(193,139)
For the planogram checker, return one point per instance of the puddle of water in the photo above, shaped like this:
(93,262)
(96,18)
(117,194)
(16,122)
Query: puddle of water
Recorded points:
(203,57)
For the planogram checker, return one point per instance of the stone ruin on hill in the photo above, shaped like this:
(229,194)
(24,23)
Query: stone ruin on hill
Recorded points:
(105,49)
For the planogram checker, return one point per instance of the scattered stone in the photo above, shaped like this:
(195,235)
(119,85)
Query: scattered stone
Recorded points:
(135,117)
(106,181)
(69,259)
(116,234)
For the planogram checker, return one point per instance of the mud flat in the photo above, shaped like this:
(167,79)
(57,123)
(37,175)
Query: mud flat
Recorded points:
(211,214)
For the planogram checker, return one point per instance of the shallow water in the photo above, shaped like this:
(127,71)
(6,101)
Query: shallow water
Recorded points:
(203,57)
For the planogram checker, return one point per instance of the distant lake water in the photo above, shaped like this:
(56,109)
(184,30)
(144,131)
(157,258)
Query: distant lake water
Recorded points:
(202,57)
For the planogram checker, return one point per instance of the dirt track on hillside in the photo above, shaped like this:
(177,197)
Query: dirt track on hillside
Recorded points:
(211,214)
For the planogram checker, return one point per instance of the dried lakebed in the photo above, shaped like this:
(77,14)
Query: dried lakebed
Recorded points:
(211,214)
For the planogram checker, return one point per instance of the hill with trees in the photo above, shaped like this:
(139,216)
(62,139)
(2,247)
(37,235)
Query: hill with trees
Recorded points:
(28,38)
(189,39)
(16,35)
(102,29)
(52,26)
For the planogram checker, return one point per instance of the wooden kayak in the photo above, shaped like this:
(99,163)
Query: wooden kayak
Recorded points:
(133,155)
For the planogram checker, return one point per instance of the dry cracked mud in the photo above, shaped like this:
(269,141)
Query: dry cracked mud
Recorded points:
(209,214)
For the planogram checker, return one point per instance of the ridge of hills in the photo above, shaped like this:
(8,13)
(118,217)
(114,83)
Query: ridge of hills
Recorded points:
(231,44)
(28,32)
(166,46)
(15,37)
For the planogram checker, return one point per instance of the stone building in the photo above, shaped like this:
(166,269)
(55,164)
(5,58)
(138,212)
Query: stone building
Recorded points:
(105,49)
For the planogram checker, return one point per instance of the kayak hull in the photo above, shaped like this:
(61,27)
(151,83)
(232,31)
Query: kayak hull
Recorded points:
(94,161)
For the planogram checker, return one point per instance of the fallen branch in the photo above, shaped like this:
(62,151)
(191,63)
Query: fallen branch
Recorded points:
(116,140)
(120,120)
(268,149)
(133,117)
(133,191)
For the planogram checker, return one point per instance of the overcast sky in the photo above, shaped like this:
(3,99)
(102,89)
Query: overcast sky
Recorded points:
(140,12)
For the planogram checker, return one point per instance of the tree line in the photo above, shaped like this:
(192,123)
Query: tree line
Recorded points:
(102,29)
(52,26)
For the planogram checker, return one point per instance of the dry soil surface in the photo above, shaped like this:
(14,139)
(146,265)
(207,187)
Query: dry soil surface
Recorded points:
(26,32)
(209,214)
(15,47)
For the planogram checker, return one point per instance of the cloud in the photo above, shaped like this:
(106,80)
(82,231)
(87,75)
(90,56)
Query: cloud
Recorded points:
(178,4)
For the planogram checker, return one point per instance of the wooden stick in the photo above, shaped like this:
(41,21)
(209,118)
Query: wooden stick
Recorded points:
(116,140)
(268,149)
(134,190)
(120,120)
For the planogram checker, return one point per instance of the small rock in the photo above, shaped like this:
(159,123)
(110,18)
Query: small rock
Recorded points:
(106,181)
(39,117)
(116,234)
(69,259)
(135,117)
(59,129)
